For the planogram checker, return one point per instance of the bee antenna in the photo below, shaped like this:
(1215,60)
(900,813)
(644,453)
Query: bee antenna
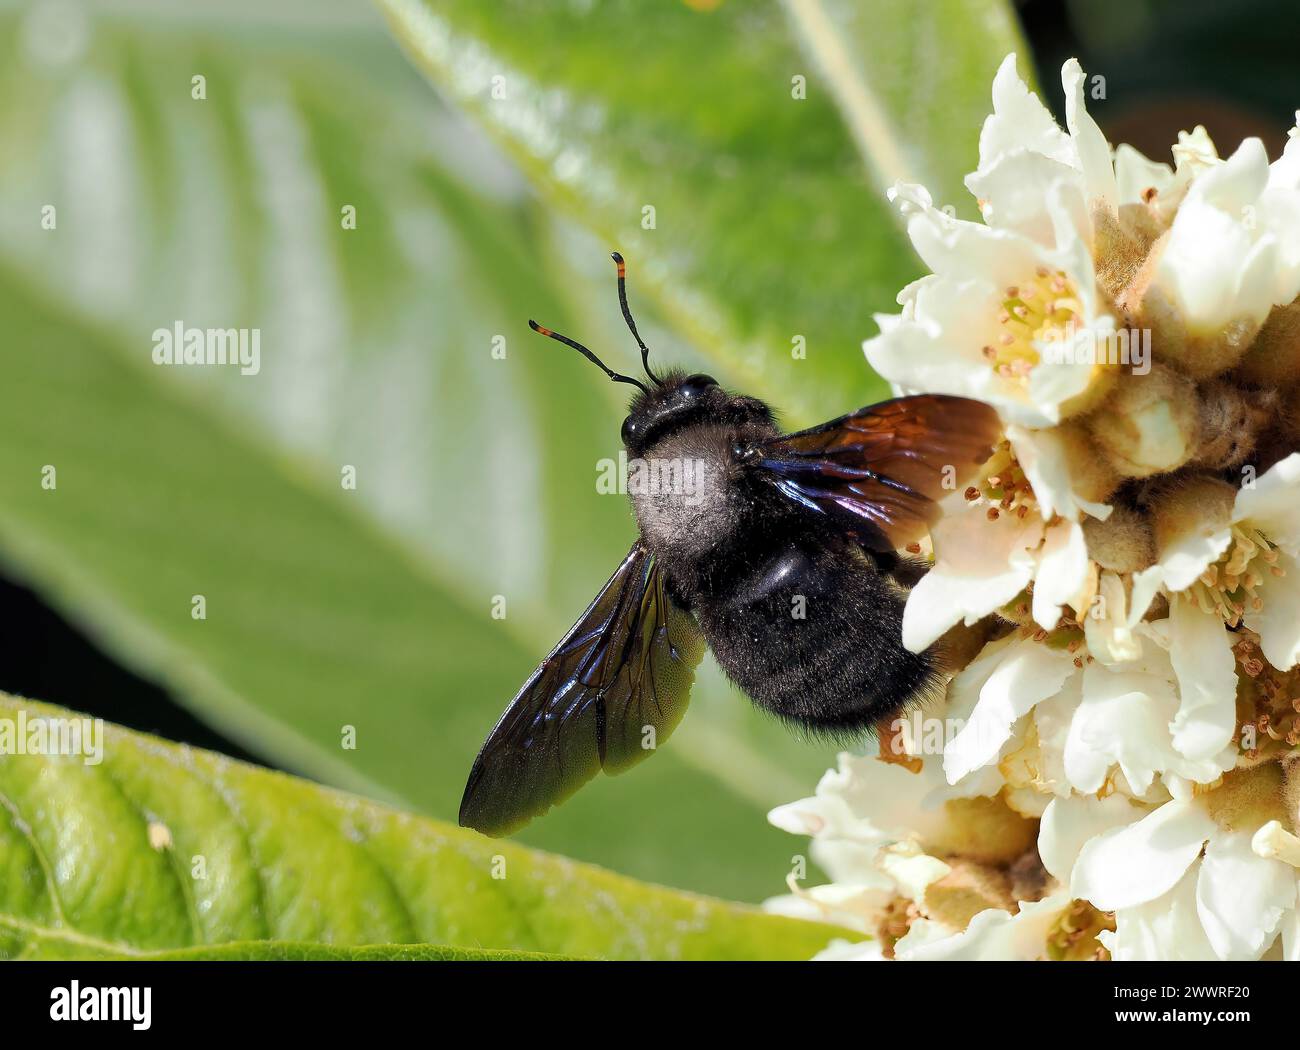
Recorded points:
(615,376)
(627,316)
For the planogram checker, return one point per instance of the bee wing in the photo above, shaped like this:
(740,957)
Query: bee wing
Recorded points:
(627,665)
(882,469)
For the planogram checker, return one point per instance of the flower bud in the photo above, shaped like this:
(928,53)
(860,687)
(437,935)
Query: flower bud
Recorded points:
(1289,418)
(1247,799)
(1122,241)
(1091,475)
(1123,542)
(962,643)
(1273,359)
(1230,421)
(981,829)
(966,891)
(1291,791)
(1190,506)
(1149,425)
(1201,354)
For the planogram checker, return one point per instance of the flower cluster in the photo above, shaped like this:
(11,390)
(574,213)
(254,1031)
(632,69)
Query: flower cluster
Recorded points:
(1115,771)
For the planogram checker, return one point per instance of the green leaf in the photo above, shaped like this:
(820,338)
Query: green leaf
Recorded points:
(135,847)
(371,608)
(327,608)
(770,218)
(52,944)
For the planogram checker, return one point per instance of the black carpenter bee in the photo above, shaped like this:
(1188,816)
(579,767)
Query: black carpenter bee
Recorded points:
(780,551)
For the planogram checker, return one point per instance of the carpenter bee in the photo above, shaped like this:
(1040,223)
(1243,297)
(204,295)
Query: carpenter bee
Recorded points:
(784,553)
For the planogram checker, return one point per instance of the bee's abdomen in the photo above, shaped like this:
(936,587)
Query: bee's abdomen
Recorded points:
(815,637)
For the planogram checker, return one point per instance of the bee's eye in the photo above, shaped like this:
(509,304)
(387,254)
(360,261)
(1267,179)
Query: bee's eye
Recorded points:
(694,386)
(629,431)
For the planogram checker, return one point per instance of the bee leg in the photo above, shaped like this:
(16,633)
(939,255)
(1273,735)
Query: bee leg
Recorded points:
(904,570)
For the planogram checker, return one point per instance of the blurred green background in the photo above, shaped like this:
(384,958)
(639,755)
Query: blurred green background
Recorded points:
(494,154)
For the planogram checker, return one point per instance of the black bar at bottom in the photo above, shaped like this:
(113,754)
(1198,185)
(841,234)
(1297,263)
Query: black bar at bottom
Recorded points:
(498,998)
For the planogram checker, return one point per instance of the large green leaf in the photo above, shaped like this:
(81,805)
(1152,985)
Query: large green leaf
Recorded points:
(157,847)
(770,218)
(476,476)
(41,943)
(371,607)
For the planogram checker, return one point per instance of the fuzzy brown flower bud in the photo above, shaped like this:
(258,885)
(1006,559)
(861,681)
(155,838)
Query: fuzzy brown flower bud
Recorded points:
(1273,359)
(1150,424)
(1230,421)
(1123,542)
(1189,505)
(1091,474)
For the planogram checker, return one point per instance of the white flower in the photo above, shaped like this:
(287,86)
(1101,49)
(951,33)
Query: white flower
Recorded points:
(1011,298)
(1001,686)
(1022,149)
(1181,885)
(1136,700)
(1100,721)
(980,565)
(987,553)
(993,934)
(1234,566)
(1232,254)
(864,805)
(869,822)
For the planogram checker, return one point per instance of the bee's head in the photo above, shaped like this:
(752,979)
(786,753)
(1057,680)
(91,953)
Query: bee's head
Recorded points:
(669,403)
(679,400)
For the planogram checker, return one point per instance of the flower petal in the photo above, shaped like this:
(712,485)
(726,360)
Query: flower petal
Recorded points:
(1291,937)
(1166,929)
(1062,571)
(808,905)
(1284,173)
(1116,717)
(1052,718)
(1028,673)
(1241,897)
(1020,121)
(1069,823)
(1107,626)
(847,951)
(1135,174)
(1213,265)
(958,248)
(1278,622)
(1124,719)
(1093,150)
(922,932)
(994,935)
(1201,652)
(1271,503)
(1042,456)
(980,565)
(917,351)
(1141,861)
(1012,193)
(1183,558)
